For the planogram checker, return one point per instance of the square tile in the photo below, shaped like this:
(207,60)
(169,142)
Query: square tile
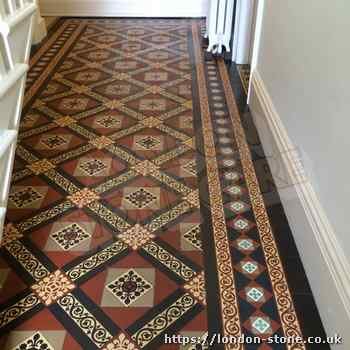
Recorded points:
(91,167)
(261,325)
(153,104)
(129,288)
(148,143)
(70,236)
(141,198)
(27,196)
(54,142)
(156,76)
(108,121)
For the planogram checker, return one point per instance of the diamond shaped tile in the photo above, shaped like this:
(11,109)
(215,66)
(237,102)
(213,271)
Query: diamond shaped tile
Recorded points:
(129,287)
(140,198)
(26,197)
(261,325)
(70,236)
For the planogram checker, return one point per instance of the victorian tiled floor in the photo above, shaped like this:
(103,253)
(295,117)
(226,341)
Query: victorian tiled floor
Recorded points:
(135,211)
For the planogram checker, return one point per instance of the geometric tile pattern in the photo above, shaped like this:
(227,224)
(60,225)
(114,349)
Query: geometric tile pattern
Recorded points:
(100,243)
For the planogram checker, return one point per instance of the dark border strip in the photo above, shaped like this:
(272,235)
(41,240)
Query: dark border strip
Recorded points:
(304,302)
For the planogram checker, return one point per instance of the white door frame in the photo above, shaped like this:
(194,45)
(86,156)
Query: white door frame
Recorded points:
(259,14)
(243,31)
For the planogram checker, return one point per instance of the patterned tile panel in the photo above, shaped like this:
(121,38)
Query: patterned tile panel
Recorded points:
(126,144)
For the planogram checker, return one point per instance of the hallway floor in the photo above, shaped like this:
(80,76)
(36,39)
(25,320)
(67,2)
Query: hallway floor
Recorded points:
(135,210)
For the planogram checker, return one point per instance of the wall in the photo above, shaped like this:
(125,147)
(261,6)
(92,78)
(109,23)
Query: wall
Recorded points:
(301,92)
(125,8)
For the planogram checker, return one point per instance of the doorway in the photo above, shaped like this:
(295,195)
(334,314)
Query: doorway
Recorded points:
(245,37)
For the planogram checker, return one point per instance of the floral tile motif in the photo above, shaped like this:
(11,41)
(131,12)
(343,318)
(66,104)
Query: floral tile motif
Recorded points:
(35,342)
(53,287)
(83,198)
(146,167)
(41,166)
(70,236)
(120,342)
(136,236)
(192,236)
(197,288)
(101,142)
(129,287)
(10,234)
(193,198)
(64,121)
(151,122)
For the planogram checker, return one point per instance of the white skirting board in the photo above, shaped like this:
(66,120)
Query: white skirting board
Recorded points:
(125,8)
(327,267)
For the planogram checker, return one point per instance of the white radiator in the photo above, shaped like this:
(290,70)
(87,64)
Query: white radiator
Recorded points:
(15,40)
(219,25)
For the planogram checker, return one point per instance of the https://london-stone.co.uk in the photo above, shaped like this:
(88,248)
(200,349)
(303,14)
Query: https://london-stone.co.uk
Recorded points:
(216,339)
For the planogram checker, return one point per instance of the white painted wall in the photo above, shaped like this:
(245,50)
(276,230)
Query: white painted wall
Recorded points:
(303,68)
(304,63)
(125,8)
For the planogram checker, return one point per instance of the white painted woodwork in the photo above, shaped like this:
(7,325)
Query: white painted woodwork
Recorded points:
(243,33)
(16,20)
(125,8)
(39,28)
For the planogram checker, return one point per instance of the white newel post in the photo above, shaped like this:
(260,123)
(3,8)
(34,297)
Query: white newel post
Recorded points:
(16,19)
(39,27)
